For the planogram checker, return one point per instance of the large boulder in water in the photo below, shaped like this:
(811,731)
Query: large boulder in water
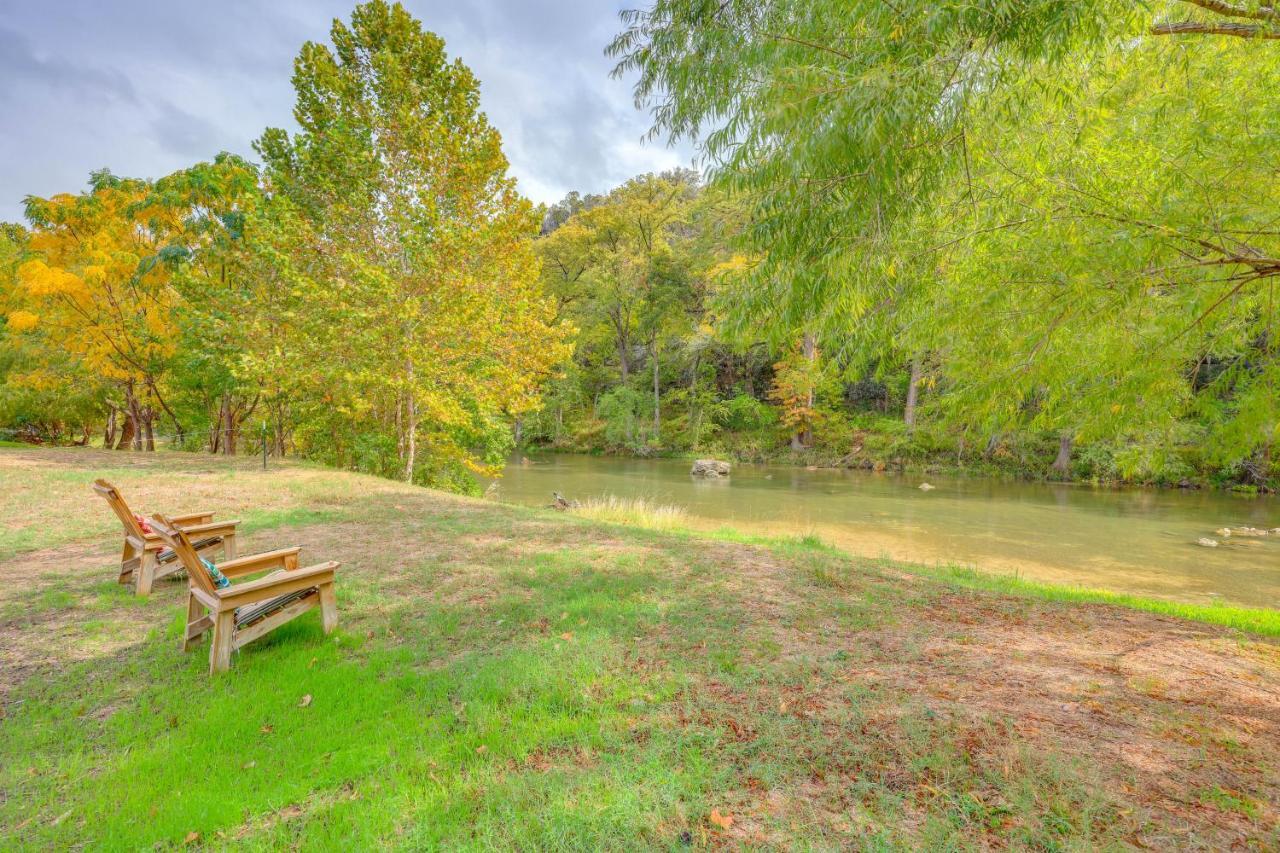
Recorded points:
(710,468)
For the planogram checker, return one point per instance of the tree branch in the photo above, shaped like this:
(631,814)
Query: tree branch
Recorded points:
(1245,31)
(1262,13)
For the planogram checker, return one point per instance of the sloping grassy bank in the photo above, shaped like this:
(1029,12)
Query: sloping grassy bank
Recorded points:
(637,512)
(511,678)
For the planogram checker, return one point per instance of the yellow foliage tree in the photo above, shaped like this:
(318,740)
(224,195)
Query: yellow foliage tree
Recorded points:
(795,384)
(96,290)
(419,315)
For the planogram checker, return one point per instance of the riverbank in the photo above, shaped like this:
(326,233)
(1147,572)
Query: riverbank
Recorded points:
(1251,620)
(1138,541)
(884,444)
(518,678)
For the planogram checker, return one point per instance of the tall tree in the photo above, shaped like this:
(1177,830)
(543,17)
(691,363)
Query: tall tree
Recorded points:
(45,393)
(228,313)
(98,292)
(410,242)
(618,268)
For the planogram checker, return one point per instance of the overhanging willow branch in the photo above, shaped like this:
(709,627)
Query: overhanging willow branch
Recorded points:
(1246,31)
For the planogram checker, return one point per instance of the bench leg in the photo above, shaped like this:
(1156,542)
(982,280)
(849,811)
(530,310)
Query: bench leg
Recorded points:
(224,629)
(328,608)
(197,623)
(146,574)
(125,556)
(229,546)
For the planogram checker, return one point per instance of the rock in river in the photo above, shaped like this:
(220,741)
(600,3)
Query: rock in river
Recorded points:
(710,468)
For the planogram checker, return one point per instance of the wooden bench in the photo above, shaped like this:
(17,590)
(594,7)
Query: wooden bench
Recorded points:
(240,613)
(145,558)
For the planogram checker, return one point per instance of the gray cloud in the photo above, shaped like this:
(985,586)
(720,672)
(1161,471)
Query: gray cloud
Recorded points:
(186,134)
(21,66)
(145,88)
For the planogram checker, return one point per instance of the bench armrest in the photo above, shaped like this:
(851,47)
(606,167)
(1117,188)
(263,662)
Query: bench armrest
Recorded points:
(191,518)
(281,558)
(212,528)
(276,583)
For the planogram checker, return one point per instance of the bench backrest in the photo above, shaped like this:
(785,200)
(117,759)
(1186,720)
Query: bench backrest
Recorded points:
(120,508)
(181,545)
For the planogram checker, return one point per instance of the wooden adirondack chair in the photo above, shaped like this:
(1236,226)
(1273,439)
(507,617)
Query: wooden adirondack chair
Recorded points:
(243,612)
(146,558)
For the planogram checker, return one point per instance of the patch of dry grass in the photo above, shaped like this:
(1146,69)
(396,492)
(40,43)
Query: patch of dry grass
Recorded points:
(636,512)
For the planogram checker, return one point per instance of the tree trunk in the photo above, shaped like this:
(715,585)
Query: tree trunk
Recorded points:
(109,434)
(809,347)
(279,429)
(623,365)
(913,394)
(127,430)
(1062,464)
(517,430)
(803,437)
(400,428)
(226,422)
(411,425)
(131,435)
(693,389)
(657,397)
(148,427)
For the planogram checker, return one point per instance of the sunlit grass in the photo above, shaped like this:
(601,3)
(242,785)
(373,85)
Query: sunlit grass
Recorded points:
(636,512)
(1253,620)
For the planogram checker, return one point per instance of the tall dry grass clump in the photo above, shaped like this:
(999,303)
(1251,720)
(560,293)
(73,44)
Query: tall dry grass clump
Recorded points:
(637,512)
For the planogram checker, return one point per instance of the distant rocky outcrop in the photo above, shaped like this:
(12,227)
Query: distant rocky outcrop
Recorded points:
(710,468)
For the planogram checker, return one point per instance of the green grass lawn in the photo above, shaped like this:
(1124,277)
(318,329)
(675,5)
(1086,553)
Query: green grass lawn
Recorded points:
(512,678)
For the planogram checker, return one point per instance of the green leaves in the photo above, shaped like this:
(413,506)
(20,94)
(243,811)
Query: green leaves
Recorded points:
(1065,217)
(417,319)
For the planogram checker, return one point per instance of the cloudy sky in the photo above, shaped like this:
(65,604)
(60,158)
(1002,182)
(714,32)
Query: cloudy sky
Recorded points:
(145,87)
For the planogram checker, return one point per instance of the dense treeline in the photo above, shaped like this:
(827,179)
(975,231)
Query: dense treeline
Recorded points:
(668,361)
(367,296)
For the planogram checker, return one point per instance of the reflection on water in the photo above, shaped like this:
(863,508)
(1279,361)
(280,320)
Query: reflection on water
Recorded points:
(1135,540)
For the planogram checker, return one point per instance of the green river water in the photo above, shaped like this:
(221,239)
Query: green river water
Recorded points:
(1140,541)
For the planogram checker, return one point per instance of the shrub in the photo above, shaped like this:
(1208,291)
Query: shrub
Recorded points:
(743,413)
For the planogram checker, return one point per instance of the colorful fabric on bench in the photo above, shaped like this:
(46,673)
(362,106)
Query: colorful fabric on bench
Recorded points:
(249,614)
(219,579)
(200,544)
